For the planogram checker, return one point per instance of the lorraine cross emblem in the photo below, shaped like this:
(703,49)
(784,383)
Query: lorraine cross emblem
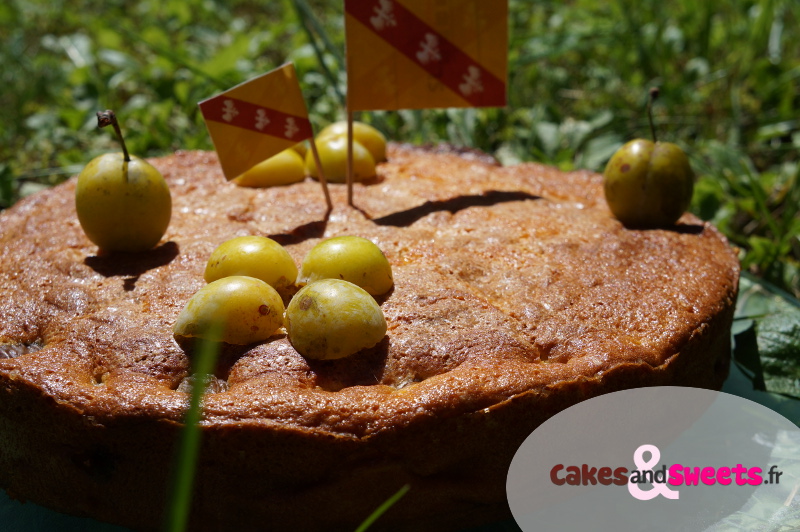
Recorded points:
(262,120)
(291,128)
(229,110)
(384,15)
(472,81)
(429,49)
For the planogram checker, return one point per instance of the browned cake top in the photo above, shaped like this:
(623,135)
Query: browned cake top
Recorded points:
(507,280)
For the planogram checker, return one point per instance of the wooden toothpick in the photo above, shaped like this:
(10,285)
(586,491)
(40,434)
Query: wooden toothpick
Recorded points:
(350,158)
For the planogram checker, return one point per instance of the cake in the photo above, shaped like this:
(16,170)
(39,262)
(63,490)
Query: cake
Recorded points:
(517,294)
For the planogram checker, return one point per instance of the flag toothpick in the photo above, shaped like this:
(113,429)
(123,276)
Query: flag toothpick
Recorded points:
(418,54)
(401,54)
(350,158)
(257,119)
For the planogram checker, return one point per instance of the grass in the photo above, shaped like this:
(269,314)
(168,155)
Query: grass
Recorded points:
(728,71)
(188,450)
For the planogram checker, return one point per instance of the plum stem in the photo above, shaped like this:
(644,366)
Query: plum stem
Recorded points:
(108,117)
(650,100)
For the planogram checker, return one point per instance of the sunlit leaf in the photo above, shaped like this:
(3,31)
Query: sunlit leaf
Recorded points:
(768,337)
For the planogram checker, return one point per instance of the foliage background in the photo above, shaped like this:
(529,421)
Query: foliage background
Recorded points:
(579,73)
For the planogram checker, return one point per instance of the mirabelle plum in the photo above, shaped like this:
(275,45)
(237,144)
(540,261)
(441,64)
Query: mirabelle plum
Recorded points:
(253,256)
(284,168)
(247,310)
(332,319)
(123,203)
(301,148)
(333,158)
(351,258)
(366,135)
(648,184)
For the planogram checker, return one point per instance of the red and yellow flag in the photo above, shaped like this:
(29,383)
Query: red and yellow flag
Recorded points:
(415,54)
(257,119)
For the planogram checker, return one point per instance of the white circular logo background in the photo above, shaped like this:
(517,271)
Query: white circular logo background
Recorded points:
(660,458)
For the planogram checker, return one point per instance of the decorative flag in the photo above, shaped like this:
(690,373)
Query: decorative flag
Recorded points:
(415,54)
(257,119)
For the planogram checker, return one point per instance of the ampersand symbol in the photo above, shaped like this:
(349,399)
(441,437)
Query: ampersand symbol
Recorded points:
(642,465)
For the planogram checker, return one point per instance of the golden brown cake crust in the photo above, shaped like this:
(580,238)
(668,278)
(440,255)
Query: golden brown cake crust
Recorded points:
(516,295)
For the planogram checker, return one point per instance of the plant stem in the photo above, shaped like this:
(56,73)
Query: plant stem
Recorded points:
(185,464)
(108,117)
(309,24)
(650,100)
(382,508)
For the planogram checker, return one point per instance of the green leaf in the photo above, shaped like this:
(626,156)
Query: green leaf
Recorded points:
(767,337)
(598,151)
(779,347)
(548,136)
(224,61)
(708,197)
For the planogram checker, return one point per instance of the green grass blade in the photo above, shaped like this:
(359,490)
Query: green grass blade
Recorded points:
(379,511)
(307,16)
(189,445)
(309,22)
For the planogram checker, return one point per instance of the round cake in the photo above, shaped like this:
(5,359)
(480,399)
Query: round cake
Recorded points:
(517,294)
